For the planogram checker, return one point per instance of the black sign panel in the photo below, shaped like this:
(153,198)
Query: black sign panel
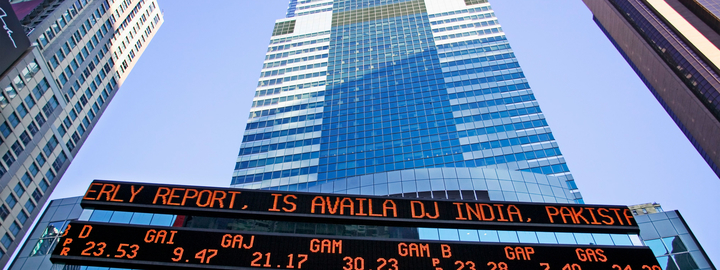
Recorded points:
(102,244)
(13,40)
(350,209)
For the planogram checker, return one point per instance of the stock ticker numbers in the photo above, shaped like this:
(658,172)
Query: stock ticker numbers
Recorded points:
(349,209)
(150,247)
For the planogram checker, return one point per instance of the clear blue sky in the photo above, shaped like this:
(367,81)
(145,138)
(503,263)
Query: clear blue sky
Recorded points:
(180,115)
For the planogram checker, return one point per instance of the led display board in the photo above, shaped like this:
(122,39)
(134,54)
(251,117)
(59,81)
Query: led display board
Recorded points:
(151,247)
(351,209)
(13,41)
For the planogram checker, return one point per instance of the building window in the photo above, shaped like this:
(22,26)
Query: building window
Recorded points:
(30,206)
(5,129)
(6,240)
(14,228)
(40,159)
(32,128)
(17,148)
(50,175)
(48,239)
(26,179)
(56,28)
(50,106)
(59,161)
(4,101)
(30,71)
(68,71)
(71,42)
(19,190)
(22,110)
(22,217)
(49,33)
(74,88)
(43,185)
(50,146)
(60,55)
(40,119)
(42,40)
(18,82)
(11,201)
(11,91)
(8,158)
(76,137)
(61,130)
(78,107)
(37,195)
(33,169)
(25,138)
(670,251)
(14,119)
(30,101)
(4,211)
(53,62)
(67,121)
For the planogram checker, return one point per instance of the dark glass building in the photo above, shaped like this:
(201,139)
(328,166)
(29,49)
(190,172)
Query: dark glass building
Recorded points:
(673,46)
(670,238)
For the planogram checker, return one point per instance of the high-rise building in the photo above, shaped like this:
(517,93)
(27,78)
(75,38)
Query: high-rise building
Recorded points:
(45,234)
(670,238)
(54,91)
(673,46)
(411,98)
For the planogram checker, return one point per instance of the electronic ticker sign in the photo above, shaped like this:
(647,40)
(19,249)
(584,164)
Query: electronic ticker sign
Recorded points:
(103,244)
(351,209)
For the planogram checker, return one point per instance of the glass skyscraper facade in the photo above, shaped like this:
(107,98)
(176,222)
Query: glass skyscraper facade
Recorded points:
(418,98)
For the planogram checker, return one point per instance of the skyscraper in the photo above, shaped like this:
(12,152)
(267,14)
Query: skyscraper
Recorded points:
(670,238)
(412,98)
(673,46)
(54,92)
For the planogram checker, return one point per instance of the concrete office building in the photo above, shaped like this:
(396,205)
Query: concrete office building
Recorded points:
(412,98)
(673,46)
(670,238)
(54,91)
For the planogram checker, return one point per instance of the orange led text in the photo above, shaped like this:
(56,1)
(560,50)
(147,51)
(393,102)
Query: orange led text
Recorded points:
(237,241)
(413,250)
(159,237)
(589,215)
(487,212)
(326,246)
(352,207)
